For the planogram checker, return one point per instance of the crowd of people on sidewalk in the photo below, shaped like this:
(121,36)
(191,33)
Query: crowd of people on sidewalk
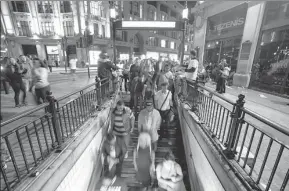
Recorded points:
(25,75)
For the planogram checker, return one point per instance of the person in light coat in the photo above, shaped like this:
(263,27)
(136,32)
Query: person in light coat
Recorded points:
(149,120)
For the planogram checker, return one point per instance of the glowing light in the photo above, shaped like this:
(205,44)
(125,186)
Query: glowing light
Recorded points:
(148,24)
(91,29)
(112,13)
(185,13)
(2,36)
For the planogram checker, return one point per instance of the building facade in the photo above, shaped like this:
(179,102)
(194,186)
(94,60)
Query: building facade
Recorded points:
(37,28)
(252,36)
(153,44)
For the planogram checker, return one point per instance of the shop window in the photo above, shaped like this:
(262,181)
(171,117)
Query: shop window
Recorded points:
(24,28)
(163,43)
(68,28)
(45,6)
(172,45)
(270,66)
(140,10)
(124,36)
(47,28)
(156,42)
(20,6)
(96,29)
(65,7)
(94,8)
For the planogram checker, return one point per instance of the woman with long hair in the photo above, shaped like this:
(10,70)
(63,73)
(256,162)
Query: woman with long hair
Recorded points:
(169,174)
(144,159)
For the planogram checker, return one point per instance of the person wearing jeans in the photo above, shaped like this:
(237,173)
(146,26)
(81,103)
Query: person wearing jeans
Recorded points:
(41,84)
(163,103)
(122,123)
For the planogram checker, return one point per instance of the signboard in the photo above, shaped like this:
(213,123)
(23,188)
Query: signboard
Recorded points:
(228,22)
(276,11)
(52,49)
(148,25)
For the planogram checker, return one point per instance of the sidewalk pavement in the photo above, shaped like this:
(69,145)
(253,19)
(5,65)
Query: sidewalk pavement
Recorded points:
(269,106)
(58,89)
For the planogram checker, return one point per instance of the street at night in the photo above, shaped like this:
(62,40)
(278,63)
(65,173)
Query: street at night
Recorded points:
(144,95)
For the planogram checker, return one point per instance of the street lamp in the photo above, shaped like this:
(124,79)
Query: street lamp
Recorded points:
(113,17)
(185,15)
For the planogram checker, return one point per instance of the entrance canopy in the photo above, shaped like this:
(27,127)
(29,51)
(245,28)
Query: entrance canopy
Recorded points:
(149,25)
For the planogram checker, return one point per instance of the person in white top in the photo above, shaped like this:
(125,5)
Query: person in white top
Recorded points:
(192,69)
(149,120)
(163,103)
(40,80)
(72,64)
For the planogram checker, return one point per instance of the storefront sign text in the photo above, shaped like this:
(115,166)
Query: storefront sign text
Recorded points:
(229,24)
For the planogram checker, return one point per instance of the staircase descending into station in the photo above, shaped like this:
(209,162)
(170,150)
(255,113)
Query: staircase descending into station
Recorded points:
(177,148)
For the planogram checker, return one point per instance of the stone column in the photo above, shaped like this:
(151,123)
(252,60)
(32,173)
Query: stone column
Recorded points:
(251,33)
(41,50)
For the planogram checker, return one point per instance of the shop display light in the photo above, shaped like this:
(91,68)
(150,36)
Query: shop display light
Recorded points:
(112,13)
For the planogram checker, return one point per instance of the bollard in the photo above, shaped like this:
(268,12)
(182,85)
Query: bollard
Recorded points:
(55,119)
(237,120)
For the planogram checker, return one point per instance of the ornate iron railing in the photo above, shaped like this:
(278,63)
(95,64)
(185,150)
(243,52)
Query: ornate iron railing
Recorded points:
(48,128)
(255,146)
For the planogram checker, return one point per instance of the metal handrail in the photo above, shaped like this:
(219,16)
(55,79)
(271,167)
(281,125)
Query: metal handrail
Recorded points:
(36,139)
(240,132)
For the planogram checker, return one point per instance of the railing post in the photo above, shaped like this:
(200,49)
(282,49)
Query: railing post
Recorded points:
(55,119)
(236,121)
(98,90)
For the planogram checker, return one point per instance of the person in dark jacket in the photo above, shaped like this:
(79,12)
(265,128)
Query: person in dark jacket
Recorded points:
(105,66)
(14,75)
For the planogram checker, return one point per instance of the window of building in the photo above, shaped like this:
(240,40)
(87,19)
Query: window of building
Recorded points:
(103,31)
(68,28)
(45,6)
(96,29)
(124,36)
(20,6)
(134,8)
(151,14)
(172,45)
(163,43)
(24,28)
(186,47)
(102,14)
(164,16)
(151,41)
(65,7)
(94,8)
(47,28)
(140,11)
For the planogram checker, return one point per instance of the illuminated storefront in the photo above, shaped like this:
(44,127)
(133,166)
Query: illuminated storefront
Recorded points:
(270,70)
(224,35)
(173,57)
(52,53)
(154,55)
(94,56)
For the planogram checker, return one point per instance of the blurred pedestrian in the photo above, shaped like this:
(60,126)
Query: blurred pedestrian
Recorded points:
(169,174)
(40,81)
(50,64)
(144,160)
(113,155)
(25,64)
(220,78)
(149,120)
(72,64)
